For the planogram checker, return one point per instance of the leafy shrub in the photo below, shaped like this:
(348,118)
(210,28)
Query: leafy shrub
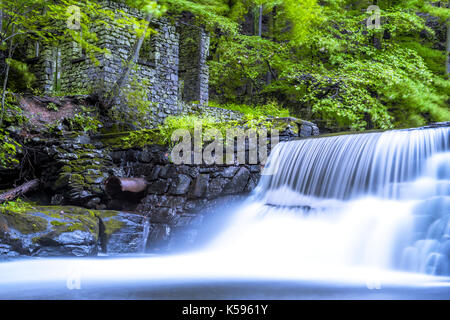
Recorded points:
(271,109)
(8,150)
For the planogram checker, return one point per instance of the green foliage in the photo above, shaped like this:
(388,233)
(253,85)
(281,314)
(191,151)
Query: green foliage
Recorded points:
(138,110)
(140,138)
(17,206)
(211,13)
(52,107)
(304,16)
(271,109)
(24,77)
(85,121)
(8,150)
(13,113)
(191,123)
(332,68)
(253,117)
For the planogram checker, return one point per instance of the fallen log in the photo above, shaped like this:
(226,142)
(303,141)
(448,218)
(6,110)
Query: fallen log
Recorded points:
(19,191)
(117,187)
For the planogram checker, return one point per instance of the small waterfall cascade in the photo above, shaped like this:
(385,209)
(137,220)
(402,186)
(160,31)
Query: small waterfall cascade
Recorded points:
(145,233)
(374,199)
(348,166)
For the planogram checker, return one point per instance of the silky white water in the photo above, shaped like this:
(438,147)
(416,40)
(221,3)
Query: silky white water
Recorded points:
(365,208)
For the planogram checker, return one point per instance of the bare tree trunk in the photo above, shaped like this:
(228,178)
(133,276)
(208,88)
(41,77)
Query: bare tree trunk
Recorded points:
(447,67)
(1,20)
(5,80)
(21,190)
(260,20)
(115,91)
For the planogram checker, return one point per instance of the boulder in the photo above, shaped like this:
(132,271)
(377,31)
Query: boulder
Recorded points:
(238,183)
(52,231)
(181,185)
(200,186)
(216,186)
(48,231)
(123,232)
(158,237)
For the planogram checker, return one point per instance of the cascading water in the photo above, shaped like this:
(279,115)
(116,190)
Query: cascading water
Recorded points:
(379,200)
(351,209)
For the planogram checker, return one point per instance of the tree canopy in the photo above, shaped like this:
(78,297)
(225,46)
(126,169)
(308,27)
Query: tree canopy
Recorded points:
(317,58)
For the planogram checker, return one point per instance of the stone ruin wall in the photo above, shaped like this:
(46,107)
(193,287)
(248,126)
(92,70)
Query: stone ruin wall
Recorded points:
(175,68)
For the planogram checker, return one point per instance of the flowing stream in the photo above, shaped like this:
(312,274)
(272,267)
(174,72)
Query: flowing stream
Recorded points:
(350,216)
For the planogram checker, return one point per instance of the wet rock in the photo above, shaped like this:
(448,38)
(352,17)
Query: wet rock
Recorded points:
(145,156)
(308,129)
(155,173)
(183,238)
(142,170)
(62,181)
(57,199)
(124,232)
(117,156)
(93,203)
(216,187)
(238,183)
(131,155)
(189,220)
(180,185)
(49,231)
(82,139)
(158,187)
(200,186)
(163,215)
(229,172)
(195,205)
(188,170)
(175,202)
(158,237)
(252,182)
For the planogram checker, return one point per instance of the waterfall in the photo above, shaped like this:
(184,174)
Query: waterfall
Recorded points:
(145,233)
(345,167)
(376,199)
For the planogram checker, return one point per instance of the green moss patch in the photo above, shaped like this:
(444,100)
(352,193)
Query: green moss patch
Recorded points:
(112,225)
(24,223)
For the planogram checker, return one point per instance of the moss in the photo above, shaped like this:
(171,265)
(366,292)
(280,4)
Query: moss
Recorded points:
(66,168)
(31,219)
(76,226)
(112,225)
(58,223)
(94,179)
(24,222)
(282,124)
(81,165)
(77,179)
(62,181)
(131,139)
